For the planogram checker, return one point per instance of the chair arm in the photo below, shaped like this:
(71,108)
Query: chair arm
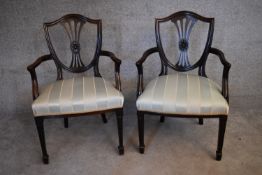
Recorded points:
(139,65)
(226,68)
(31,69)
(117,66)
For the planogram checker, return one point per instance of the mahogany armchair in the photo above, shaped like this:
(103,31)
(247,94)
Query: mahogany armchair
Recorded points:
(78,96)
(182,94)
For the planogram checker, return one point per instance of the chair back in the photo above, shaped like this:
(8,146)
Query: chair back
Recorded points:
(74,42)
(190,43)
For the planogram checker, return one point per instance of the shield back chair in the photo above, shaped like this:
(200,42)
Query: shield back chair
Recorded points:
(78,96)
(182,94)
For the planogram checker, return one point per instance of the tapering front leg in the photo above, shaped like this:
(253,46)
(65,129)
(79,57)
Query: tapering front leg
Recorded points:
(162,118)
(41,133)
(140,117)
(119,116)
(200,121)
(104,117)
(221,133)
(65,122)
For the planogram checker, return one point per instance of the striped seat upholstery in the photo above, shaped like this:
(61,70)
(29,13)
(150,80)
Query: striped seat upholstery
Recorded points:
(183,94)
(77,95)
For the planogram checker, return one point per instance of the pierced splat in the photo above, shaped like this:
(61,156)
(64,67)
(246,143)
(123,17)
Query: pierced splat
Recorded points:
(73,24)
(73,29)
(184,21)
(184,27)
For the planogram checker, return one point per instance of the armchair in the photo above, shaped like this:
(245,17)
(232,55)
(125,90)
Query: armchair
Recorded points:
(78,96)
(182,94)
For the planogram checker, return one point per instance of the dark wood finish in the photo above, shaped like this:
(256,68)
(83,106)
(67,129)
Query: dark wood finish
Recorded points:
(73,24)
(183,44)
(104,118)
(119,117)
(80,115)
(226,68)
(65,122)
(31,69)
(181,66)
(40,129)
(201,121)
(221,134)
(140,116)
(162,118)
(76,66)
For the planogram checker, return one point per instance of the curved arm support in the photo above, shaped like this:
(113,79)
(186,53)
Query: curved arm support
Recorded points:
(31,68)
(226,68)
(139,65)
(117,66)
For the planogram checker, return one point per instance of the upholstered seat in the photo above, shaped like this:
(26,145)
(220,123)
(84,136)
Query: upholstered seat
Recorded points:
(77,95)
(184,94)
(81,96)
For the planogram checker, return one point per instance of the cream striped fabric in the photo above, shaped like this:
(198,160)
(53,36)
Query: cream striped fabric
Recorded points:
(184,94)
(77,95)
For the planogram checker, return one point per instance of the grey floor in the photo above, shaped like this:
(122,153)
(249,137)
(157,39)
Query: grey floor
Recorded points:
(178,146)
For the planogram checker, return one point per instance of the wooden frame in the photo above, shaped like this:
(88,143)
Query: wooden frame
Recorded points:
(76,66)
(200,64)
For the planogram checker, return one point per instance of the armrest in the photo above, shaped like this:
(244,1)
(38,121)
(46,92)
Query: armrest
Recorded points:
(31,68)
(117,66)
(139,65)
(226,68)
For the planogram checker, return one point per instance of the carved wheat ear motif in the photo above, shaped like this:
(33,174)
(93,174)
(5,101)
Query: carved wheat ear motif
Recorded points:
(184,27)
(73,29)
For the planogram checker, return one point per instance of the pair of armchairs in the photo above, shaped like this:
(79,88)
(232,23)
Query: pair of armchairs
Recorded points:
(169,95)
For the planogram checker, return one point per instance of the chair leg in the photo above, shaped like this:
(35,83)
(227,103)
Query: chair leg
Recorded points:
(119,116)
(201,121)
(104,118)
(41,133)
(65,122)
(162,118)
(221,133)
(140,117)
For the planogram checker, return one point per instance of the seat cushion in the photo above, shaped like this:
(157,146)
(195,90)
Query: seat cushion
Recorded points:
(183,94)
(77,95)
